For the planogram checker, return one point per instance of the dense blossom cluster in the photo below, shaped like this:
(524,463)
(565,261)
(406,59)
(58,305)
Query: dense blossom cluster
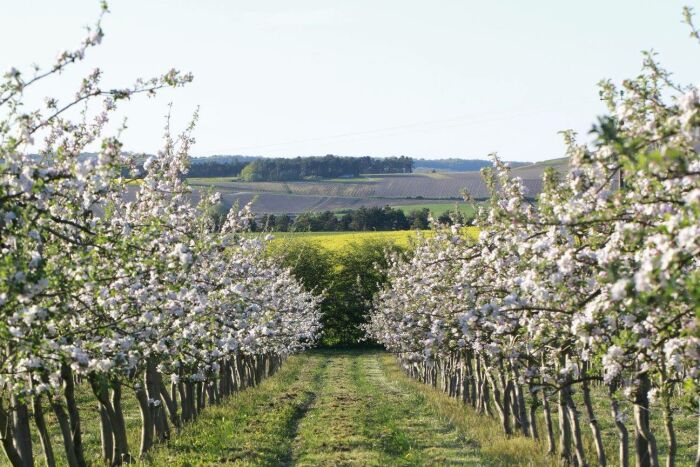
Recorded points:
(110,282)
(597,283)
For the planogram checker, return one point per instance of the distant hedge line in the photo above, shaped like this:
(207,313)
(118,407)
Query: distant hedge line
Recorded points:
(359,220)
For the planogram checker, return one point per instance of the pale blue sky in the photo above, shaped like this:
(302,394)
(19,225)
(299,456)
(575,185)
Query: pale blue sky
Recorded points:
(425,78)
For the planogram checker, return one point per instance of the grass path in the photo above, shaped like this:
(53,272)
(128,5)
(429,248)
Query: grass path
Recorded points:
(342,408)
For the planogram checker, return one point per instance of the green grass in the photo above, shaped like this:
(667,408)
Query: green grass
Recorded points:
(336,407)
(254,427)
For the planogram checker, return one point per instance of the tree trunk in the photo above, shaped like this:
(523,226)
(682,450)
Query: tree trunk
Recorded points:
(6,437)
(622,433)
(502,404)
(668,425)
(522,410)
(40,423)
(73,414)
(146,419)
(106,435)
(645,443)
(564,429)
(121,443)
(21,432)
(152,384)
(593,423)
(548,423)
(64,425)
(171,406)
(534,403)
(575,429)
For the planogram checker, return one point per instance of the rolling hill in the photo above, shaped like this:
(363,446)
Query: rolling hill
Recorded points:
(436,188)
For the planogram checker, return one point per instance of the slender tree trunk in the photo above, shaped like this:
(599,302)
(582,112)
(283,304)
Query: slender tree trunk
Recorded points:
(575,429)
(118,442)
(645,443)
(73,414)
(121,443)
(502,404)
(184,404)
(564,429)
(64,425)
(593,423)
(551,445)
(668,425)
(171,406)
(622,433)
(40,423)
(534,403)
(522,410)
(146,419)
(21,432)
(480,387)
(6,437)
(152,383)
(697,454)
(106,435)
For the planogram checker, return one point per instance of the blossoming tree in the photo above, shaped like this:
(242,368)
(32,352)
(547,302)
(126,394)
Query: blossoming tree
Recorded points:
(114,284)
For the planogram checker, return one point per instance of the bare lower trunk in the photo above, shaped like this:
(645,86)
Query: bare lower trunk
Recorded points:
(121,443)
(697,454)
(551,445)
(593,423)
(114,423)
(146,419)
(186,414)
(502,404)
(534,403)
(106,435)
(6,437)
(622,433)
(564,429)
(171,406)
(40,423)
(668,426)
(575,429)
(645,443)
(152,383)
(522,409)
(73,414)
(64,425)
(21,432)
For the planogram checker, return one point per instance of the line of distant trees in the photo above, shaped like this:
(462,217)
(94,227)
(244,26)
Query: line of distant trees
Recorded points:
(358,220)
(310,168)
(204,169)
(299,168)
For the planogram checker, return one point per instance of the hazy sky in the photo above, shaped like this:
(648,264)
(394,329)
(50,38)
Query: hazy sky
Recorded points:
(431,79)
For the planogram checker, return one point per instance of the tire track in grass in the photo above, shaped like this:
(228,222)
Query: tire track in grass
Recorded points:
(360,417)
(300,412)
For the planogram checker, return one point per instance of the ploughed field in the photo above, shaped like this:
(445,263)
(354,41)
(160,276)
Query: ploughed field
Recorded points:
(433,189)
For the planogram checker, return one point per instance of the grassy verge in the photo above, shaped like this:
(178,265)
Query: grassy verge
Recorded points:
(254,427)
(483,433)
